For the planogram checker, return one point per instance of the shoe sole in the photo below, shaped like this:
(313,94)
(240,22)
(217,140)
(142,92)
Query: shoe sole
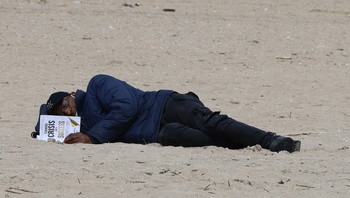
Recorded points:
(297,145)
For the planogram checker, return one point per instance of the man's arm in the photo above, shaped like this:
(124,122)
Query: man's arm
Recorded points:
(118,100)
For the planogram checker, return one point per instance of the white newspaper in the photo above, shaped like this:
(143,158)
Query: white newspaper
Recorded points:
(57,128)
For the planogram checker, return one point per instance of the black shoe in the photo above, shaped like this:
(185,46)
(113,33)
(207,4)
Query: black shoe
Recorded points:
(281,143)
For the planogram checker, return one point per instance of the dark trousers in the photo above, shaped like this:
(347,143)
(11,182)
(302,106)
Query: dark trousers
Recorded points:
(187,122)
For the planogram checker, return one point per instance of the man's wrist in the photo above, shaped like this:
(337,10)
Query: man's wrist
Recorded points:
(92,139)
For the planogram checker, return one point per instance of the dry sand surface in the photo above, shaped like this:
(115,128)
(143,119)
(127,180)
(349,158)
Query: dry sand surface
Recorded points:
(282,66)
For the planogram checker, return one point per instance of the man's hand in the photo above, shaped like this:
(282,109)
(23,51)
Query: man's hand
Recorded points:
(77,138)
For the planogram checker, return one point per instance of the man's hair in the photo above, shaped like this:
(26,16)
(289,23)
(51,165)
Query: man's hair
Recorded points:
(54,100)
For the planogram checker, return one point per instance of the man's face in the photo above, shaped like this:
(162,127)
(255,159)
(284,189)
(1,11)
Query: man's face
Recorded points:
(67,107)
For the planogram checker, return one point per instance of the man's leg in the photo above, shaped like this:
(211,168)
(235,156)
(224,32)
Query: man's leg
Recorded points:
(240,133)
(188,110)
(176,134)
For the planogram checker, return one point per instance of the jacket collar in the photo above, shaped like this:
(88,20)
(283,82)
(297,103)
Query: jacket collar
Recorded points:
(79,99)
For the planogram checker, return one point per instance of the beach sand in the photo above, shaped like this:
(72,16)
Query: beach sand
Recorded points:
(282,66)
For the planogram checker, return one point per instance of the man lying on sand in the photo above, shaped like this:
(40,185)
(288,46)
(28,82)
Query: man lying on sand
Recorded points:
(113,111)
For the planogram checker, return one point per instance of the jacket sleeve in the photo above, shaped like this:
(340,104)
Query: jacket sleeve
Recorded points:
(117,101)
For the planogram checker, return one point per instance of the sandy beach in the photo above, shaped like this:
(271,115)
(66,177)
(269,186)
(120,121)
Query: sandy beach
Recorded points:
(282,66)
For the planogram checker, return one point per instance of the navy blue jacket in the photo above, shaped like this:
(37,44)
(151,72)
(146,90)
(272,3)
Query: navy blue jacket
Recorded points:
(113,111)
